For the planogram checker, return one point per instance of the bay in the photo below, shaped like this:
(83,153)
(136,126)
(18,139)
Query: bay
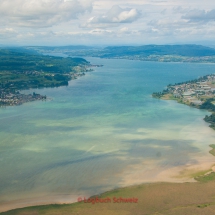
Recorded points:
(101,132)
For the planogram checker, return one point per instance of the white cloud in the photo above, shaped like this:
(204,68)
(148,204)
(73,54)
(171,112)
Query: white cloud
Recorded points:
(41,13)
(113,17)
(200,15)
(7,33)
(90,21)
(124,30)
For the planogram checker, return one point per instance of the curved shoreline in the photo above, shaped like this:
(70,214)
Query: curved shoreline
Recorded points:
(183,196)
(70,200)
(64,199)
(67,196)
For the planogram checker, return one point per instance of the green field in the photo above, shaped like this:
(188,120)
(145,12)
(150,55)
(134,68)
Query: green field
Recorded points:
(159,198)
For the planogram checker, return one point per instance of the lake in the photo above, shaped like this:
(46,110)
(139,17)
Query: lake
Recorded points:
(101,132)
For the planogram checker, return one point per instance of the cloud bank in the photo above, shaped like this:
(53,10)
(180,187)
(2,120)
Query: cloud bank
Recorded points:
(106,21)
(41,13)
(200,15)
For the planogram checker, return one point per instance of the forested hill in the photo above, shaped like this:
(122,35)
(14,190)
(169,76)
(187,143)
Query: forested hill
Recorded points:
(162,53)
(22,69)
(147,50)
(19,61)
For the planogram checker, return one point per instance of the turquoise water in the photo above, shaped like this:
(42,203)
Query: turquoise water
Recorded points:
(102,131)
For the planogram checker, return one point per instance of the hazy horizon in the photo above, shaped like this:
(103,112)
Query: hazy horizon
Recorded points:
(100,46)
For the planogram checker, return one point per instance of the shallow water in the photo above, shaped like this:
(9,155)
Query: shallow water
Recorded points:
(102,131)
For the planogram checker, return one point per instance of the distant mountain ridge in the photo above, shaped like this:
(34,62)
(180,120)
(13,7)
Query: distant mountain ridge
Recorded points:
(146,50)
(188,50)
(162,53)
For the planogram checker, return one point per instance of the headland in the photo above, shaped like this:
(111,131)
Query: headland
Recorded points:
(22,71)
(198,93)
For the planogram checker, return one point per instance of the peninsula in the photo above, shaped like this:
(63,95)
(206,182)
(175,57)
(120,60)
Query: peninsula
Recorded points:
(199,93)
(22,71)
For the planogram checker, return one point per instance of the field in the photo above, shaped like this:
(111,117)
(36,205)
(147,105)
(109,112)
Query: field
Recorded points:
(157,199)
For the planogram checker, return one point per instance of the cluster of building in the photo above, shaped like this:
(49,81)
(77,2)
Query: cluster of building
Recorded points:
(9,89)
(16,98)
(194,92)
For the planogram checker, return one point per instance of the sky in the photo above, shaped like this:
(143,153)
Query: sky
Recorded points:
(107,22)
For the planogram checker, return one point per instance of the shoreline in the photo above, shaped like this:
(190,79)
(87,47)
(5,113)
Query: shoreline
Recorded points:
(193,177)
(141,184)
(64,200)
(151,186)
(9,98)
(198,93)
(159,61)
(35,71)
